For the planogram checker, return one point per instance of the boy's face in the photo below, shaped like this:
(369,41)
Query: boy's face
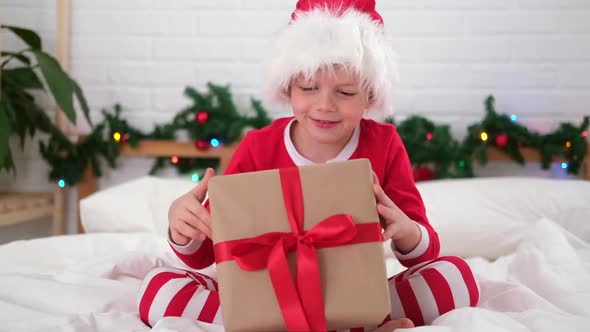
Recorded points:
(330,106)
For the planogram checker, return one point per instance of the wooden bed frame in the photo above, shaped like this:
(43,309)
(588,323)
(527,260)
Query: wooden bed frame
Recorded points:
(157,148)
(160,148)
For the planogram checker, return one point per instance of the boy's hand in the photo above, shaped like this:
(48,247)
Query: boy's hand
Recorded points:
(398,226)
(187,217)
(393,325)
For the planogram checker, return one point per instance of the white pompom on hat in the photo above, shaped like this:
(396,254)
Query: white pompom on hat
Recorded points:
(323,33)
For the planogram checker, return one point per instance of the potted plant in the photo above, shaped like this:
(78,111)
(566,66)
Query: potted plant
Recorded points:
(22,73)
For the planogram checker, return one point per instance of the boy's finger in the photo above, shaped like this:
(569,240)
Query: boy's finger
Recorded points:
(386,213)
(188,230)
(179,236)
(389,214)
(204,215)
(381,196)
(389,231)
(200,226)
(195,222)
(200,190)
(200,212)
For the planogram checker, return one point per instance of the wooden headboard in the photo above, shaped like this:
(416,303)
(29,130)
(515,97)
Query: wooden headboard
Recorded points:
(155,148)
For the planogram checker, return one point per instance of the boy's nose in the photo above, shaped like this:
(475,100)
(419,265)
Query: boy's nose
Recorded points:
(325,102)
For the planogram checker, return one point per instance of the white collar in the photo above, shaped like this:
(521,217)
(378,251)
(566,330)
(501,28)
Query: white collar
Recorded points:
(300,160)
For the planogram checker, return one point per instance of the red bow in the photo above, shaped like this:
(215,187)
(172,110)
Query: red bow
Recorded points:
(302,302)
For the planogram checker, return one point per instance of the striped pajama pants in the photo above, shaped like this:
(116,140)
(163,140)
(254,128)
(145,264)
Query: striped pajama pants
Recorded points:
(420,293)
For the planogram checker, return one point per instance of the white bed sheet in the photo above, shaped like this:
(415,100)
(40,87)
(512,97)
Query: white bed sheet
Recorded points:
(89,283)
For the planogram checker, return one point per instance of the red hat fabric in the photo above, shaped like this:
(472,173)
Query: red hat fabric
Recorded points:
(338,7)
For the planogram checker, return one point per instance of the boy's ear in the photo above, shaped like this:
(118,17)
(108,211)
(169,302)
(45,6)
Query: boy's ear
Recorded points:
(371,98)
(287,92)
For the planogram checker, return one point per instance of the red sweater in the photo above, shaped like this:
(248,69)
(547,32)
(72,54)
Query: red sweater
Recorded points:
(265,149)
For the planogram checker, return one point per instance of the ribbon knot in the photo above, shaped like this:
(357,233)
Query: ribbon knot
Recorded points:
(303,239)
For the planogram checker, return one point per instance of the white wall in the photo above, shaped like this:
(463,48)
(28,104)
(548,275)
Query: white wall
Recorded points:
(533,55)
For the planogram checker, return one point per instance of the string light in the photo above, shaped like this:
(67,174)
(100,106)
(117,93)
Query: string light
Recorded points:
(564,165)
(61,183)
(429,136)
(195,177)
(461,164)
(513,118)
(214,142)
(174,159)
(117,136)
(484,136)
(585,133)
(568,144)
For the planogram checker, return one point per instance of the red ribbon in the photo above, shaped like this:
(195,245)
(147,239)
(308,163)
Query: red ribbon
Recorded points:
(301,301)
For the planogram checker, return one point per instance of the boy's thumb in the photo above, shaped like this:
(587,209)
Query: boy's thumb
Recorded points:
(200,189)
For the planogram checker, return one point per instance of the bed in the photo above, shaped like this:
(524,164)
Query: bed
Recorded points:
(527,240)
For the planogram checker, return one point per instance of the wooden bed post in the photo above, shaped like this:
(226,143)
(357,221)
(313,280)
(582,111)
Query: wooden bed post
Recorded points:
(86,187)
(63,57)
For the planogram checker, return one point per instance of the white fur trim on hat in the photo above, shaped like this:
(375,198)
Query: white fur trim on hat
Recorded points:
(318,39)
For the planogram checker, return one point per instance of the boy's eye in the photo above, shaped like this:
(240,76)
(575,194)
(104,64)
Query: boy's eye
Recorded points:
(348,94)
(308,88)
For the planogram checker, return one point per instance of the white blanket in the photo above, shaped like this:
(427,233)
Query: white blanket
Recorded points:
(89,283)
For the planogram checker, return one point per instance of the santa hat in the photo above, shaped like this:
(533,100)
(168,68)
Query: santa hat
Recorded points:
(327,32)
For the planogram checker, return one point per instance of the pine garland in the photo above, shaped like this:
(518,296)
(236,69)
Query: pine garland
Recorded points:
(431,145)
(213,119)
(223,123)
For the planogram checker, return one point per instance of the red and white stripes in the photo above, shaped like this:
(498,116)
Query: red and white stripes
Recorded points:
(430,289)
(178,293)
(421,293)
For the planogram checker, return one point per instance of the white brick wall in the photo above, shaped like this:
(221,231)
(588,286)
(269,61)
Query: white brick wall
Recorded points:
(533,55)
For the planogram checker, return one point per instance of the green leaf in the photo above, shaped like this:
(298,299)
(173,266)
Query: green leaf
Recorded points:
(4,135)
(82,100)
(39,118)
(17,56)
(28,36)
(24,77)
(21,122)
(60,84)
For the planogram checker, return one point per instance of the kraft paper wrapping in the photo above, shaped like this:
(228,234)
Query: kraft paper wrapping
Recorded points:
(353,277)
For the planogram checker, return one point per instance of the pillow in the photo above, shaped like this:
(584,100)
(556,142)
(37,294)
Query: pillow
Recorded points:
(473,217)
(139,205)
(489,216)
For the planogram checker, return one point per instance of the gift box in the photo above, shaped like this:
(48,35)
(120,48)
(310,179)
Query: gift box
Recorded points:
(299,248)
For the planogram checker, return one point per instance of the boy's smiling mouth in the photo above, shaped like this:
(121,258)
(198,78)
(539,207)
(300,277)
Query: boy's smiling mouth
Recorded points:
(324,123)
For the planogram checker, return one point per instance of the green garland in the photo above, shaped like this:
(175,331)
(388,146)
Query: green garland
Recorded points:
(432,145)
(213,120)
